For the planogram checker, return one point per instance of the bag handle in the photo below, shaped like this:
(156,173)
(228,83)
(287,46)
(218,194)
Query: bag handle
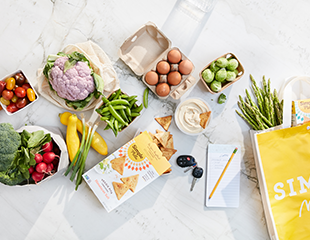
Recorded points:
(285,93)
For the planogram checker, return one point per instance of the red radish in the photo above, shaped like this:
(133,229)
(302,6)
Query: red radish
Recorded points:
(37,177)
(48,147)
(31,170)
(48,157)
(41,167)
(38,157)
(49,168)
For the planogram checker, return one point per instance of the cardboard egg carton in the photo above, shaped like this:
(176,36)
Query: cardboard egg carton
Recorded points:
(144,49)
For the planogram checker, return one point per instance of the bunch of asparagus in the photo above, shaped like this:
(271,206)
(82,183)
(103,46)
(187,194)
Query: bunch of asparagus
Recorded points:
(266,111)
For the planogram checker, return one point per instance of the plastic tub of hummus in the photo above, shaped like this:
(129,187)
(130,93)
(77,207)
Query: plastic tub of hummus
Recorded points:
(192,116)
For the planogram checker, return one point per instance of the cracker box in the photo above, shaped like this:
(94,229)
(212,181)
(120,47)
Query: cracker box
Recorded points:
(300,112)
(126,171)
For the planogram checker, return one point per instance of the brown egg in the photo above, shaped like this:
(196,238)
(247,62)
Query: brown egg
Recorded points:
(162,89)
(174,56)
(185,67)
(163,67)
(174,78)
(151,77)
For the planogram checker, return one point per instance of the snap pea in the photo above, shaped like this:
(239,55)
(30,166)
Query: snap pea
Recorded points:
(104,118)
(112,127)
(146,97)
(106,109)
(112,96)
(124,96)
(116,115)
(132,102)
(123,114)
(104,99)
(131,98)
(118,92)
(119,102)
(137,109)
(128,111)
(135,114)
(116,125)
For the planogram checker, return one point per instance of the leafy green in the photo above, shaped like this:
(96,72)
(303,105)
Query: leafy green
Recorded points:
(99,84)
(222,98)
(80,104)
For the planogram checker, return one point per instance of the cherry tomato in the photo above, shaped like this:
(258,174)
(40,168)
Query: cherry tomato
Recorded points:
(7,94)
(14,98)
(26,86)
(0,108)
(21,102)
(20,79)
(12,107)
(20,92)
(2,86)
(10,83)
(31,95)
(4,101)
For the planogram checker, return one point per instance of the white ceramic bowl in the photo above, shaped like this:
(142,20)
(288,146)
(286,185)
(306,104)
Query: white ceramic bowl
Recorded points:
(178,112)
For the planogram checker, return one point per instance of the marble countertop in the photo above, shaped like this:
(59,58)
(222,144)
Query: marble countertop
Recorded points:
(269,37)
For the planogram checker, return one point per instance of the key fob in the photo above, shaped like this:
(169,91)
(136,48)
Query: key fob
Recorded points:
(186,161)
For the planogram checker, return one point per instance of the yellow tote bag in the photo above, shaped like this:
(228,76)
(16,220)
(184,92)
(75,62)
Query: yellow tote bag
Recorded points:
(282,159)
(285,165)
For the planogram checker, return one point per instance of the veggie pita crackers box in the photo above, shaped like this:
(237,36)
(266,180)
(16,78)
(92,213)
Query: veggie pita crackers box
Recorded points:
(126,171)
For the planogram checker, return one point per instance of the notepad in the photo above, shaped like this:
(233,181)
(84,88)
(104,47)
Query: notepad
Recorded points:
(228,190)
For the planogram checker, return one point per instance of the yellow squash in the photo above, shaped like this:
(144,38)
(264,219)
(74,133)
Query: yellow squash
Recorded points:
(97,143)
(72,137)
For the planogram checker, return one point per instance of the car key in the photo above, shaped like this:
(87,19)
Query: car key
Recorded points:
(191,167)
(186,161)
(197,173)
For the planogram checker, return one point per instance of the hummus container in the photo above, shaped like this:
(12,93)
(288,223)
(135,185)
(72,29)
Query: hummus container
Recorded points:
(18,101)
(225,84)
(187,113)
(145,49)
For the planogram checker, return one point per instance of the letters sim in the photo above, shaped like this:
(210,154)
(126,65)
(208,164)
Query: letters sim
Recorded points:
(278,187)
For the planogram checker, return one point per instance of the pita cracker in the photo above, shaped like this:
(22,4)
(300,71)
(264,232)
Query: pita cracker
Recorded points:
(164,121)
(170,142)
(159,131)
(120,189)
(168,152)
(118,164)
(162,138)
(131,181)
(204,118)
(167,171)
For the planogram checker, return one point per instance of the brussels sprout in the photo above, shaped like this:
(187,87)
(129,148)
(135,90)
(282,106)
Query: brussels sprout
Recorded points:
(216,86)
(221,75)
(231,76)
(221,62)
(236,72)
(214,68)
(222,98)
(232,64)
(207,75)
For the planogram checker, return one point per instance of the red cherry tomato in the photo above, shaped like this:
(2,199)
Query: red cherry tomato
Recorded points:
(2,86)
(12,107)
(20,92)
(7,94)
(20,79)
(21,102)
(26,86)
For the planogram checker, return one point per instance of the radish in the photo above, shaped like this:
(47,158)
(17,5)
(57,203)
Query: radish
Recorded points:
(49,168)
(37,177)
(38,158)
(48,147)
(41,167)
(48,157)
(31,170)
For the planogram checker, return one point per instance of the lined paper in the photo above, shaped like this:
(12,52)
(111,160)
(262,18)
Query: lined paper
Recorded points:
(228,190)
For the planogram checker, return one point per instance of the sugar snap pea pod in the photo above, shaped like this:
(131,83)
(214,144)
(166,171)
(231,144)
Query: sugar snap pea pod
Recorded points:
(118,92)
(112,96)
(135,114)
(128,111)
(131,98)
(107,127)
(123,114)
(137,109)
(116,125)
(106,109)
(132,103)
(116,115)
(112,127)
(104,99)
(105,114)
(104,118)
(124,96)
(119,102)
(146,97)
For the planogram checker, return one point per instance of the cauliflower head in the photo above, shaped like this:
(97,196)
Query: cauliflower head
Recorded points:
(73,84)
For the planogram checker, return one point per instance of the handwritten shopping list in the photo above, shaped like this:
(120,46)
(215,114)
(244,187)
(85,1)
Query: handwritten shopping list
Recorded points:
(228,189)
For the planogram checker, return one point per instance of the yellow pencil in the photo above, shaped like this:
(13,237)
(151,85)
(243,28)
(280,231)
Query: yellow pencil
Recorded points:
(218,181)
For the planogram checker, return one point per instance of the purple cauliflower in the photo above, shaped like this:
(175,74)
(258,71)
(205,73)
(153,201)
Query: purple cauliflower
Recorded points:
(75,84)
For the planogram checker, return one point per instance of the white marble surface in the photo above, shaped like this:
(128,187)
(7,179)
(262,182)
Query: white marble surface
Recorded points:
(269,37)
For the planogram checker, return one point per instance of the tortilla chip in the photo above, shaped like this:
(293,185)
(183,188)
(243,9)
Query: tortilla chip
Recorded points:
(118,164)
(170,142)
(162,138)
(164,121)
(167,171)
(120,189)
(204,118)
(168,152)
(131,181)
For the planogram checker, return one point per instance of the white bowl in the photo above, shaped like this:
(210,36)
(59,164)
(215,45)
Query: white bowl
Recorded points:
(182,128)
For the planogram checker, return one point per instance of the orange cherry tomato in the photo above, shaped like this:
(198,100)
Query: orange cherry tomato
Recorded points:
(10,83)
(31,95)
(5,101)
